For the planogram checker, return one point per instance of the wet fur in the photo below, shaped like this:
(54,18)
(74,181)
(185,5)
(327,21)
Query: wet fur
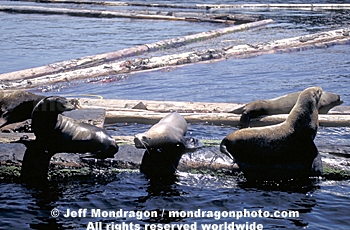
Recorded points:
(59,133)
(279,151)
(164,143)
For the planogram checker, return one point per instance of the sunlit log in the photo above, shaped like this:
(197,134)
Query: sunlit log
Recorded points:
(277,6)
(82,67)
(25,79)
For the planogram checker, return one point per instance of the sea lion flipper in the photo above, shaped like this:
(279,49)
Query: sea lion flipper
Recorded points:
(317,168)
(244,120)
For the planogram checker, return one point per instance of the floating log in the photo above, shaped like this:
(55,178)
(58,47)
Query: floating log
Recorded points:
(100,59)
(217,118)
(317,40)
(300,43)
(206,6)
(340,110)
(160,106)
(114,3)
(196,112)
(113,14)
(277,6)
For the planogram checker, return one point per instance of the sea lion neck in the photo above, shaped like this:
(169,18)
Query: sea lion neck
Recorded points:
(304,115)
(43,121)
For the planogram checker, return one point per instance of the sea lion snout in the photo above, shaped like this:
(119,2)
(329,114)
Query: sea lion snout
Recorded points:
(141,141)
(108,153)
(224,150)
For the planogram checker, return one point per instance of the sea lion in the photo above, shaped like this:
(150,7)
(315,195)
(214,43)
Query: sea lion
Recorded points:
(281,151)
(16,106)
(58,133)
(165,143)
(282,105)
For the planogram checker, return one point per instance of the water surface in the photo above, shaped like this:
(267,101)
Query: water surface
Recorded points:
(34,40)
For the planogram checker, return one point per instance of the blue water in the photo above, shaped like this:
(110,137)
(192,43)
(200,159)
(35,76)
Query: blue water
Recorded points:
(232,80)
(34,40)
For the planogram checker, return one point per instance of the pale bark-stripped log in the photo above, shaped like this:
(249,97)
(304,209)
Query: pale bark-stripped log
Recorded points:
(338,116)
(160,106)
(317,40)
(278,6)
(138,14)
(114,3)
(216,118)
(100,59)
(307,41)
(320,6)
(106,14)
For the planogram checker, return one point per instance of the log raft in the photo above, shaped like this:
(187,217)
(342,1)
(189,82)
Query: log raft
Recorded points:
(30,78)
(134,14)
(277,6)
(325,6)
(119,111)
(101,60)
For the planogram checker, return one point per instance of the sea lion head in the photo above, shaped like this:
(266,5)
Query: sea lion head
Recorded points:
(164,143)
(328,101)
(308,100)
(168,133)
(45,113)
(160,137)
(54,104)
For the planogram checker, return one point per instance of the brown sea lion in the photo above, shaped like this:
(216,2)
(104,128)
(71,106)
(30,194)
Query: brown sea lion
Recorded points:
(165,143)
(281,151)
(16,106)
(282,105)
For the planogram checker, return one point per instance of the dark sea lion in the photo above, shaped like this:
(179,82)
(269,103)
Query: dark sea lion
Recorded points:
(59,133)
(56,133)
(16,106)
(165,143)
(282,105)
(281,151)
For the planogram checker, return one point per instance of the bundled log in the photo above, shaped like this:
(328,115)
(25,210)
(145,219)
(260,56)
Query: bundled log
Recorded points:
(278,6)
(217,118)
(135,14)
(317,40)
(332,6)
(114,3)
(159,106)
(101,59)
(150,112)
